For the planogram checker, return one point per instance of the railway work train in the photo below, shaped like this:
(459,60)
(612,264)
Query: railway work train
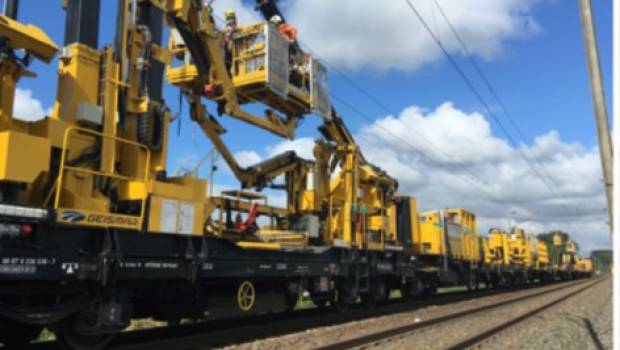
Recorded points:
(95,233)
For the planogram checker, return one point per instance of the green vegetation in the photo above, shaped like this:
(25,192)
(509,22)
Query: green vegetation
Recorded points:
(45,336)
(601,260)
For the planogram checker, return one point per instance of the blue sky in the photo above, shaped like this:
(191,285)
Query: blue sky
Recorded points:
(542,80)
(540,75)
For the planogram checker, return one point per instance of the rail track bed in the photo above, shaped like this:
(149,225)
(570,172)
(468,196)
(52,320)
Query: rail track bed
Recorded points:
(421,325)
(480,328)
(240,331)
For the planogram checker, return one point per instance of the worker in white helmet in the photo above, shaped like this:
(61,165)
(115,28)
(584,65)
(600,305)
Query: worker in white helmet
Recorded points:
(287,30)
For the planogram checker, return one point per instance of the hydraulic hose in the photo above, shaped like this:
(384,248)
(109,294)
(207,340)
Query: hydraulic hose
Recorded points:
(152,135)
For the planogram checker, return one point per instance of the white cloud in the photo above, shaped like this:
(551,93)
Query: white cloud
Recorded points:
(386,34)
(381,35)
(247,158)
(467,166)
(27,107)
(303,147)
(447,157)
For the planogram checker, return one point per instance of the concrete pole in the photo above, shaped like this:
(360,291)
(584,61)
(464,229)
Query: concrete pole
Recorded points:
(598,95)
(10,8)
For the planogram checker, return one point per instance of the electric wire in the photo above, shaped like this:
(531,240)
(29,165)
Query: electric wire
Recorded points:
(473,178)
(482,101)
(490,87)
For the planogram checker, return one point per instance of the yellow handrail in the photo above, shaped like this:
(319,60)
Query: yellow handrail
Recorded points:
(64,168)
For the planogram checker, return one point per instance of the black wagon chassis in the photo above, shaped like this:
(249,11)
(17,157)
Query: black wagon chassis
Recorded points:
(88,263)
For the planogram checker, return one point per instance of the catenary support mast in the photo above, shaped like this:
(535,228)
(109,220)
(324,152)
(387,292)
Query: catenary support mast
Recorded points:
(598,95)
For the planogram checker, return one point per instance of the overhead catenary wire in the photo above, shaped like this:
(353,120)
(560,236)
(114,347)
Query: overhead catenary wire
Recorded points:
(472,178)
(475,178)
(490,87)
(482,101)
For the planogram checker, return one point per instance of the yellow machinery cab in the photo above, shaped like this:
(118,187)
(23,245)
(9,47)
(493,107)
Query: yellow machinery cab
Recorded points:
(583,265)
(543,255)
(520,247)
(499,247)
(466,220)
(267,68)
(451,232)
(431,240)
(485,250)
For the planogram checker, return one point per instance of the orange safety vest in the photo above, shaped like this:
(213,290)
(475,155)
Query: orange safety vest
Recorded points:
(288,31)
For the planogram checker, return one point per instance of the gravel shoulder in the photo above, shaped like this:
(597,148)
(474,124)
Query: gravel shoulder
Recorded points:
(317,337)
(582,322)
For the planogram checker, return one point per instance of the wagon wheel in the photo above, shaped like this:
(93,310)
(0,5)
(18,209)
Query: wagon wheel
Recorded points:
(472,282)
(320,303)
(246,296)
(407,291)
(377,294)
(72,337)
(338,300)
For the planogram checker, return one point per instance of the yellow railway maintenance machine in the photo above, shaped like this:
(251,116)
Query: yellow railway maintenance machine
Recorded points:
(94,233)
(445,243)
(515,259)
(583,267)
(543,268)
(348,210)
(497,259)
(520,256)
(568,261)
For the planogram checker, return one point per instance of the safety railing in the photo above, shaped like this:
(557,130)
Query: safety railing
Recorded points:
(85,215)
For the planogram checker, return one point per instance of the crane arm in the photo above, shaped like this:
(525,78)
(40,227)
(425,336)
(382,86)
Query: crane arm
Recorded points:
(257,176)
(335,130)
(192,20)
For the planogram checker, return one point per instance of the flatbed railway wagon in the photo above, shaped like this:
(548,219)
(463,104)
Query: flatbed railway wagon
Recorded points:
(94,232)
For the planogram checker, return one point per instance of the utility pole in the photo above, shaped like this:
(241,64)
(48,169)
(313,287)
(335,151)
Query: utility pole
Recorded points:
(10,8)
(598,96)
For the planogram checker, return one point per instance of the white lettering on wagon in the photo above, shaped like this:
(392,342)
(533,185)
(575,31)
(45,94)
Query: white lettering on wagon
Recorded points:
(70,267)
(23,265)
(160,265)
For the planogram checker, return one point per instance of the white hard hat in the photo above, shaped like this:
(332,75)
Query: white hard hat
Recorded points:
(276,20)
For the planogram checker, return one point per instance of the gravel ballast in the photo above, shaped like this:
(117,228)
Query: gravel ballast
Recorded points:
(425,339)
(582,322)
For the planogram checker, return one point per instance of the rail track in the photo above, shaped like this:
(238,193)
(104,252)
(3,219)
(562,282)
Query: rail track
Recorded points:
(233,331)
(387,336)
(481,338)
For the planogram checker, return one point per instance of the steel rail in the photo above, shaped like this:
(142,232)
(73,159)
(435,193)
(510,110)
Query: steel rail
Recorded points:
(491,333)
(222,332)
(388,334)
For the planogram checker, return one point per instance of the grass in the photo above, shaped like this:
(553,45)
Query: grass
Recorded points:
(451,289)
(46,336)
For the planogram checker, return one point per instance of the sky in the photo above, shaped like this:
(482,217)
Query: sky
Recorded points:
(412,113)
